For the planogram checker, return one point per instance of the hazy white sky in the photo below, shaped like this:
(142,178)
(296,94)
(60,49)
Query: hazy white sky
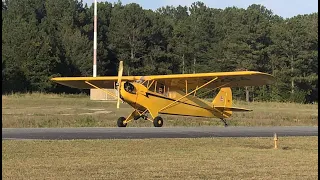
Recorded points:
(284,8)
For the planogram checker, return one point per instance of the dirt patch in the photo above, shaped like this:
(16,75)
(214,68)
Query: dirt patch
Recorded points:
(96,112)
(89,113)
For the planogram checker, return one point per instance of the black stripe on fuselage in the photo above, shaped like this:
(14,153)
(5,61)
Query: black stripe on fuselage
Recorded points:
(187,115)
(163,97)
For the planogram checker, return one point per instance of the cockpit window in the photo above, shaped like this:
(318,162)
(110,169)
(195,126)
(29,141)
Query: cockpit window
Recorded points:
(160,89)
(129,88)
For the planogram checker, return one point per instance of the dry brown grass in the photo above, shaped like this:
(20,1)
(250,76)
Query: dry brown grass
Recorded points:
(52,110)
(204,158)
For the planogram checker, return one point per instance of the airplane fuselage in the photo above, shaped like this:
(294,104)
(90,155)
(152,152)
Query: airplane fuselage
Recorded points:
(141,98)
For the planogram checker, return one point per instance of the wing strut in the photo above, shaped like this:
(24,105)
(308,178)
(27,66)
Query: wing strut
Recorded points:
(207,83)
(150,84)
(204,93)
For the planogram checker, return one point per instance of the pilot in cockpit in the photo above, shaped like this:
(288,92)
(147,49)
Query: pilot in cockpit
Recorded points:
(129,87)
(161,90)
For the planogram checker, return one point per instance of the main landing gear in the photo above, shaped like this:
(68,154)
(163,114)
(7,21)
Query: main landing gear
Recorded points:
(121,122)
(157,121)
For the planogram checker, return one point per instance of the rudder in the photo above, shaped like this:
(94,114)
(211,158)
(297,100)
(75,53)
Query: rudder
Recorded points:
(223,100)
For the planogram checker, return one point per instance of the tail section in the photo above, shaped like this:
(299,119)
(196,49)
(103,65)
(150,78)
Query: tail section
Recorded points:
(223,103)
(223,98)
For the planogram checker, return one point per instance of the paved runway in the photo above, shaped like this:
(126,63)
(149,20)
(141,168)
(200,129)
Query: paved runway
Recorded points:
(152,132)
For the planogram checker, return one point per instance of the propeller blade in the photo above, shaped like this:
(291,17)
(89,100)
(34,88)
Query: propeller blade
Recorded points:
(119,82)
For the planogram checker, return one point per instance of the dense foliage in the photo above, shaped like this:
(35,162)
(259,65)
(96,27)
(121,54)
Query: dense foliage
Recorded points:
(43,39)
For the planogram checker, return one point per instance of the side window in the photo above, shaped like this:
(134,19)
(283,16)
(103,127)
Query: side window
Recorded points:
(161,90)
(129,88)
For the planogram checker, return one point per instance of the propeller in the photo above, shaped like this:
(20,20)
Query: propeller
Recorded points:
(119,82)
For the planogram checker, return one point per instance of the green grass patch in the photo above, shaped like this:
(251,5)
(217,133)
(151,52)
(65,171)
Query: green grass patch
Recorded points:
(63,110)
(204,158)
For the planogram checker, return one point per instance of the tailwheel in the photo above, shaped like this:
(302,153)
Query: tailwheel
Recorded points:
(120,122)
(225,122)
(158,121)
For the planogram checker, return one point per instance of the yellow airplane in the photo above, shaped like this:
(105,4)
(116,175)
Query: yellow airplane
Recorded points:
(171,94)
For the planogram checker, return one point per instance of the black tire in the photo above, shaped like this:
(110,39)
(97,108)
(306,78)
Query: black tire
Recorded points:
(120,122)
(158,121)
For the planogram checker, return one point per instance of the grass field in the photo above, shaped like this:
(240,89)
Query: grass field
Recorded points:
(204,158)
(52,110)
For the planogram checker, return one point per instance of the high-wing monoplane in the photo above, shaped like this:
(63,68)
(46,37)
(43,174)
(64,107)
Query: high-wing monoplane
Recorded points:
(174,94)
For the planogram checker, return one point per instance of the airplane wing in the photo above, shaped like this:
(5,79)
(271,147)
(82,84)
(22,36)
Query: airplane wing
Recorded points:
(176,81)
(80,82)
(225,79)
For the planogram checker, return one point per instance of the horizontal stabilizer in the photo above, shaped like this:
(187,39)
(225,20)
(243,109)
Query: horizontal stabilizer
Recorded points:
(221,108)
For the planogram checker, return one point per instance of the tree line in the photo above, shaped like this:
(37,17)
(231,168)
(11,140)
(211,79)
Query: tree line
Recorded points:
(43,39)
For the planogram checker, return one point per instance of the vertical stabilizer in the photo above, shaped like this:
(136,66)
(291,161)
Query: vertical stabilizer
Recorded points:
(223,100)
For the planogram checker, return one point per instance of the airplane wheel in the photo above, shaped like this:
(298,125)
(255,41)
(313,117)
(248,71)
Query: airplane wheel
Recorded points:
(120,122)
(158,121)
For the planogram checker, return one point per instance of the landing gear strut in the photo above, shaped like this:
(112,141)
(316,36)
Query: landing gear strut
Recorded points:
(225,122)
(145,117)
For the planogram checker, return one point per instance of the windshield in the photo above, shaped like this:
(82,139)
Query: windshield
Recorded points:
(129,88)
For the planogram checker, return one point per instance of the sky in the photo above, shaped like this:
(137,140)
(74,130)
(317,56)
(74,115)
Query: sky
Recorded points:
(283,8)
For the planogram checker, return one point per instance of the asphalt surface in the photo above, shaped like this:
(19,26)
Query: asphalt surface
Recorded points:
(153,132)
